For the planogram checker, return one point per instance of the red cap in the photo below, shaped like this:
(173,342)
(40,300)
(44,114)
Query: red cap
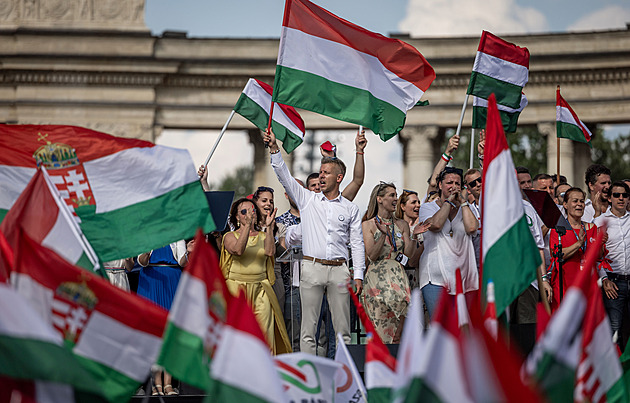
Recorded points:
(328,146)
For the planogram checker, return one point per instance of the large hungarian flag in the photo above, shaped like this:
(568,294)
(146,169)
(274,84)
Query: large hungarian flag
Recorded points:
(196,318)
(115,335)
(510,257)
(333,67)
(40,212)
(501,68)
(130,195)
(575,358)
(568,125)
(254,105)
(509,116)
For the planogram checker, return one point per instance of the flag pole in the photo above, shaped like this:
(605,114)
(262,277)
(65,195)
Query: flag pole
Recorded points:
(557,144)
(461,118)
(216,143)
(472,146)
(270,118)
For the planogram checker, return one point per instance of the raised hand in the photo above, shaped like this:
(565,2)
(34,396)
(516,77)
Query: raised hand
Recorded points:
(360,142)
(271,218)
(482,142)
(453,143)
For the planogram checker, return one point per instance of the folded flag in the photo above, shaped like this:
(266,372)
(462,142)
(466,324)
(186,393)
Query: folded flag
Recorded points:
(333,67)
(509,116)
(307,378)
(568,125)
(254,105)
(196,318)
(116,336)
(131,196)
(509,253)
(501,68)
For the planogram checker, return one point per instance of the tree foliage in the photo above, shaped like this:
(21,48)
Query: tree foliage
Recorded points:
(241,181)
(613,153)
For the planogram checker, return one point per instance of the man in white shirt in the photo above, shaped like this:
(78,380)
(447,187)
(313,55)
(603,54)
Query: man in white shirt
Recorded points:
(597,178)
(616,284)
(329,222)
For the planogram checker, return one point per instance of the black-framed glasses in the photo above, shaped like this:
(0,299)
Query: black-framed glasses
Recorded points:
(617,195)
(411,192)
(474,182)
(244,211)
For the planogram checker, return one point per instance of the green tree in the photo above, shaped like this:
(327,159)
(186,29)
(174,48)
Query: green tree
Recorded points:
(613,153)
(241,182)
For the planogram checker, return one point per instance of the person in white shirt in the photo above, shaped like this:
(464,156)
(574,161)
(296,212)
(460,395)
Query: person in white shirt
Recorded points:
(329,222)
(616,283)
(472,183)
(448,243)
(597,178)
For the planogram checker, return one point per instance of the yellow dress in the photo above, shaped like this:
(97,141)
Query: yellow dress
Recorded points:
(253,273)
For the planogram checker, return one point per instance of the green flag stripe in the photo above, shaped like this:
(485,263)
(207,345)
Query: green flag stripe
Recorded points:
(511,264)
(571,132)
(349,104)
(183,356)
(555,379)
(222,392)
(482,86)
(420,391)
(509,120)
(147,225)
(116,386)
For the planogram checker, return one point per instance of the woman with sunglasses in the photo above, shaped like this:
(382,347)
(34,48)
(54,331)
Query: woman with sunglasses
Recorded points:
(575,243)
(247,263)
(388,247)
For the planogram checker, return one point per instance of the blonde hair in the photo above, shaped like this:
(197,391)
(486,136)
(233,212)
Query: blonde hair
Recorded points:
(378,191)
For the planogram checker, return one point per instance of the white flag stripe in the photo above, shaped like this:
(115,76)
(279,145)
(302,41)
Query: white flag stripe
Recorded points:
(14,180)
(504,204)
(256,93)
(126,175)
(137,350)
(343,356)
(501,69)
(379,375)
(51,392)
(190,306)
(62,240)
(60,306)
(19,319)
(39,297)
(484,104)
(241,373)
(563,114)
(345,65)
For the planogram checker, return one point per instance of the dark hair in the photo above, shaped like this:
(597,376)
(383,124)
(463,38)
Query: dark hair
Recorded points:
(542,176)
(337,162)
(403,199)
(555,191)
(314,175)
(234,212)
(522,170)
(472,171)
(563,179)
(566,194)
(593,172)
(261,189)
(451,170)
(620,184)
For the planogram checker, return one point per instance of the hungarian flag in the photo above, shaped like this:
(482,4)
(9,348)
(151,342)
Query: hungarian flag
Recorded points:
(307,378)
(490,314)
(116,336)
(568,125)
(509,116)
(196,318)
(575,357)
(333,67)
(254,105)
(380,365)
(510,257)
(242,368)
(411,347)
(501,68)
(40,212)
(131,196)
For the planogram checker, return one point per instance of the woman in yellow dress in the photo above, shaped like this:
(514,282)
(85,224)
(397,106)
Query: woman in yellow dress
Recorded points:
(247,264)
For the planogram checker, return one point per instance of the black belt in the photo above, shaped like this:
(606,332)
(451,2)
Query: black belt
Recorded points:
(615,276)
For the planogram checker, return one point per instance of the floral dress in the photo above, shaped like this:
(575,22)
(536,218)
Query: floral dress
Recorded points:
(386,288)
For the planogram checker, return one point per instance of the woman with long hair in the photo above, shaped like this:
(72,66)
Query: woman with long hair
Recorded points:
(247,264)
(389,246)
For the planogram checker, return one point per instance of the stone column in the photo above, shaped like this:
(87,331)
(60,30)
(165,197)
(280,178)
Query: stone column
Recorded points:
(566,153)
(264,174)
(420,154)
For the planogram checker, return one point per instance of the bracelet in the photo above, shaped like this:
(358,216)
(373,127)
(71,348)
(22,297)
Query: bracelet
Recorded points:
(275,152)
(451,203)
(446,157)
(360,152)
(463,204)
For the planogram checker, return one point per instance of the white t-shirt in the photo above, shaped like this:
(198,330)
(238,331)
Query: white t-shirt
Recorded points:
(444,253)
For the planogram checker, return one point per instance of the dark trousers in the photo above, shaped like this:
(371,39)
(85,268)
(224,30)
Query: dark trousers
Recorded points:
(618,309)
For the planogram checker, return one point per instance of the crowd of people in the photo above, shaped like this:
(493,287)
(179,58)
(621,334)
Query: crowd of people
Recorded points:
(294,268)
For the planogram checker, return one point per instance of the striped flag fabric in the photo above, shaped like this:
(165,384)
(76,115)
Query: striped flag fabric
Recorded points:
(196,318)
(568,125)
(490,314)
(130,195)
(40,212)
(509,255)
(254,105)
(335,68)
(509,116)
(116,336)
(307,378)
(411,347)
(501,68)
(575,357)
(242,368)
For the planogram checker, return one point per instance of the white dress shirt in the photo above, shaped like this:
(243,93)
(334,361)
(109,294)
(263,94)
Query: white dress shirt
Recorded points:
(618,244)
(589,211)
(327,225)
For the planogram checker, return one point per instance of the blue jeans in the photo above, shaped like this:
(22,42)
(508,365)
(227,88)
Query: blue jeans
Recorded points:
(431,294)
(293,317)
(618,308)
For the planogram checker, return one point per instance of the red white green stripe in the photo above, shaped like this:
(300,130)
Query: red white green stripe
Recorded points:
(509,253)
(509,116)
(138,196)
(196,318)
(568,125)
(501,68)
(116,336)
(333,67)
(254,105)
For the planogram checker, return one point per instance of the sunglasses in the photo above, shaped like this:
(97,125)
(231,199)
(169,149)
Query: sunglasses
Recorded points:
(411,192)
(244,211)
(621,195)
(264,189)
(474,182)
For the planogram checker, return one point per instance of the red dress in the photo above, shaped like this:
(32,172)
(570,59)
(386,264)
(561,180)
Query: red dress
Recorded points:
(570,267)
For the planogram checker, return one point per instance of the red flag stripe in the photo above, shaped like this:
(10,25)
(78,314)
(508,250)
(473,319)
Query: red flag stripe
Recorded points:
(561,102)
(288,110)
(492,45)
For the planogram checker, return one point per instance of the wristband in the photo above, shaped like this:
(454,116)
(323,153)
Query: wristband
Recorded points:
(446,157)
(275,152)
(463,204)
(451,203)
(360,152)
